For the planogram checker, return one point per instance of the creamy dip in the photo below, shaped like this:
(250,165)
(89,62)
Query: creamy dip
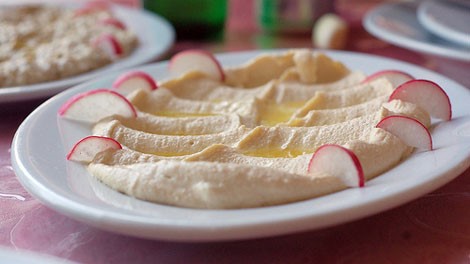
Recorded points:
(246,142)
(45,43)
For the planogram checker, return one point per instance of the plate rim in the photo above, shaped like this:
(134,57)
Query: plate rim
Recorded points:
(26,256)
(177,232)
(47,89)
(438,28)
(406,42)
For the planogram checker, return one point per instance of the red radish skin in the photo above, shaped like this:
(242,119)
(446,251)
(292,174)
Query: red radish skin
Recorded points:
(427,95)
(87,148)
(65,108)
(409,130)
(184,61)
(394,76)
(112,22)
(91,7)
(125,81)
(109,44)
(320,162)
(97,4)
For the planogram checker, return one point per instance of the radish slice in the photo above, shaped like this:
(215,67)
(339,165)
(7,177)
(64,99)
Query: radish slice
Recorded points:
(338,161)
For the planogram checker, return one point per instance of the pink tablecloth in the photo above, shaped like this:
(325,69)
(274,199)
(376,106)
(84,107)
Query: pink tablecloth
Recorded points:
(432,229)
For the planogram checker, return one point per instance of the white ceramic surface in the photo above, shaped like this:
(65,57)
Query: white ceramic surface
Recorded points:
(42,141)
(397,23)
(154,40)
(11,256)
(447,19)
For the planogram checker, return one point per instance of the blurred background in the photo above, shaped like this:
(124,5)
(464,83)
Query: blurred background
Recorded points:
(223,26)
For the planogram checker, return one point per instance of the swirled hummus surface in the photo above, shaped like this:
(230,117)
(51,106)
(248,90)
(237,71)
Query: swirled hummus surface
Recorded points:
(246,142)
(46,43)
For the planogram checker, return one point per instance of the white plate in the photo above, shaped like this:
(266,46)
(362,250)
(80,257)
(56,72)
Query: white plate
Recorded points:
(397,23)
(8,255)
(155,35)
(449,20)
(38,158)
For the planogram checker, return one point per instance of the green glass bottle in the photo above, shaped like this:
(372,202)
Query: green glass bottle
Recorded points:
(192,19)
(291,16)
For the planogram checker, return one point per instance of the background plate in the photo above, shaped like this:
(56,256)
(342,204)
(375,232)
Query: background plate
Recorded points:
(397,24)
(155,38)
(38,158)
(447,19)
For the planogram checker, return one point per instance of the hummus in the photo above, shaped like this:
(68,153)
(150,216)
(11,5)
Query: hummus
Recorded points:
(247,142)
(45,43)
